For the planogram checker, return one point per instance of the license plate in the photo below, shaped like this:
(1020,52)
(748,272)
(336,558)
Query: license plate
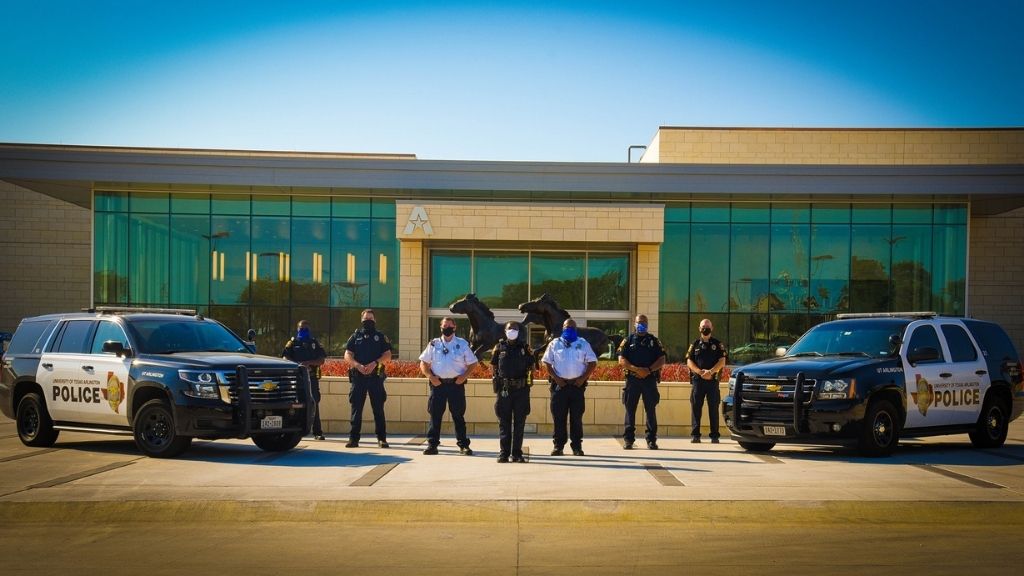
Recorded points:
(774,430)
(272,422)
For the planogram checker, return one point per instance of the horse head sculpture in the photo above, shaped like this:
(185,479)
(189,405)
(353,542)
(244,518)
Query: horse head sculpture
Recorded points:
(545,311)
(484,330)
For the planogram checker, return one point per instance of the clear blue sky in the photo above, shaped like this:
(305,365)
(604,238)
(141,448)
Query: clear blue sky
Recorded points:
(559,81)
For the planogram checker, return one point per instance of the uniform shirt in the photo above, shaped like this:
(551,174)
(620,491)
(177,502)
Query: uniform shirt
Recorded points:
(301,351)
(512,360)
(641,350)
(448,359)
(569,361)
(706,354)
(368,346)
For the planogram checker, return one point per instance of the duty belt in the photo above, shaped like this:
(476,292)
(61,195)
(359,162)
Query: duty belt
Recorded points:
(513,382)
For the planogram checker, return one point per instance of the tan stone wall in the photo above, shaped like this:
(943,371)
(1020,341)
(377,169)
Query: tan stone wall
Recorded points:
(406,409)
(411,300)
(995,288)
(45,259)
(648,283)
(838,146)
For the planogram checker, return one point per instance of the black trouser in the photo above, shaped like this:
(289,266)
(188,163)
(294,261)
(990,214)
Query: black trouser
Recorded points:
(363,386)
(314,387)
(704,389)
(636,388)
(453,396)
(568,402)
(511,411)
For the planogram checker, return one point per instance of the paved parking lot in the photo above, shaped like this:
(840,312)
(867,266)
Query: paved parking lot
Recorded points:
(938,504)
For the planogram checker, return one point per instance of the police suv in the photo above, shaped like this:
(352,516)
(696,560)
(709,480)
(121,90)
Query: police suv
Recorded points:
(866,379)
(163,376)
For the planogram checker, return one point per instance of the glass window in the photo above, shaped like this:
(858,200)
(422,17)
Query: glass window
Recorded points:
(925,337)
(787,328)
(350,264)
(757,212)
(384,265)
(673,328)
(501,280)
(748,278)
(73,339)
(314,206)
(559,274)
(709,282)
(236,319)
(789,272)
(949,273)
(311,262)
(961,349)
(789,213)
(106,332)
(149,240)
(28,335)
(107,201)
(709,212)
(190,203)
(449,277)
(191,259)
(869,268)
(153,202)
(344,321)
(677,213)
(830,213)
(110,258)
(872,213)
(272,328)
(231,261)
(230,204)
(271,205)
(749,338)
(911,267)
(830,268)
(950,214)
(350,207)
(607,282)
(675,268)
(616,330)
(272,264)
(912,213)
(383,207)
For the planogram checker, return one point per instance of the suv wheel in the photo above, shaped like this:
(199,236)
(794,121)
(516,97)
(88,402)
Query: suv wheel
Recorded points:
(35,428)
(881,431)
(756,446)
(277,442)
(993,424)
(154,431)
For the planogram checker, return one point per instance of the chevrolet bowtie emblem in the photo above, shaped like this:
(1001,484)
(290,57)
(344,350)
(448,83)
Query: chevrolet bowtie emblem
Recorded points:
(773,388)
(269,386)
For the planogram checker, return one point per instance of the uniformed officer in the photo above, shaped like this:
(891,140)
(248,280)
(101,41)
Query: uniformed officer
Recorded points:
(512,363)
(706,357)
(366,352)
(447,361)
(642,356)
(569,360)
(307,351)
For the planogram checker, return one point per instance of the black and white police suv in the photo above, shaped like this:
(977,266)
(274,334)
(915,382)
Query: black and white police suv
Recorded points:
(866,379)
(164,376)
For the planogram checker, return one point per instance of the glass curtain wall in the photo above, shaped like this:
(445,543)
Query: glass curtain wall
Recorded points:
(765,272)
(251,261)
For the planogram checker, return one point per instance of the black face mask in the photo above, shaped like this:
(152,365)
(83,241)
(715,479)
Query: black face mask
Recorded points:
(448,331)
(369,325)
(705,331)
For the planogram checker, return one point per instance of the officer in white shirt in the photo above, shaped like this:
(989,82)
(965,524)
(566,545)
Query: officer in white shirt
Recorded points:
(569,360)
(447,362)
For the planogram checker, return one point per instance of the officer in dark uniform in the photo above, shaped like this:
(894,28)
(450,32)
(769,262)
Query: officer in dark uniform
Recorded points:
(306,350)
(366,351)
(642,356)
(512,363)
(706,358)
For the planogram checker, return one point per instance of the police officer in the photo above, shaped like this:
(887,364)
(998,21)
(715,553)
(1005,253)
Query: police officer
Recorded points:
(570,361)
(512,362)
(706,357)
(642,356)
(307,351)
(447,361)
(366,352)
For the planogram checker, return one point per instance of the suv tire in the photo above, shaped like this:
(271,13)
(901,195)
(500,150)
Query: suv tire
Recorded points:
(756,446)
(881,430)
(277,442)
(35,428)
(154,431)
(993,424)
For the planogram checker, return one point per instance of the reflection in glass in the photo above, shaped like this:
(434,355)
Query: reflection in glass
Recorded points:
(871,246)
(110,258)
(830,267)
(949,276)
(449,277)
(911,267)
(384,265)
(748,285)
(190,259)
(607,281)
(673,331)
(310,265)
(501,280)
(147,260)
(350,263)
(231,260)
(749,338)
(675,268)
(559,274)
(789,253)
(271,260)
(709,284)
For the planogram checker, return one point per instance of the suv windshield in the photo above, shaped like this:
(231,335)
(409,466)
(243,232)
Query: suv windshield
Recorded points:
(850,338)
(184,335)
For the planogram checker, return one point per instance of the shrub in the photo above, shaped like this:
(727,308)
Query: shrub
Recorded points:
(608,371)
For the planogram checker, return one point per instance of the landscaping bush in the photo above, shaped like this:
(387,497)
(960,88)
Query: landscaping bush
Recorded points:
(606,370)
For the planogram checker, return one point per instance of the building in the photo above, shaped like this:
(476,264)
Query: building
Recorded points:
(765,231)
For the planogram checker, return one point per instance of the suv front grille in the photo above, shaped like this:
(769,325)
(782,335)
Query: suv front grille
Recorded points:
(268,385)
(775,390)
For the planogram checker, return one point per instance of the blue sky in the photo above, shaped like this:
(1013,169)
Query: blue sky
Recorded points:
(558,81)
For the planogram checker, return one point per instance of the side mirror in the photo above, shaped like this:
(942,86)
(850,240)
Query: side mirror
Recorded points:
(895,341)
(923,354)
(781,351)
(116,348)
(250,340)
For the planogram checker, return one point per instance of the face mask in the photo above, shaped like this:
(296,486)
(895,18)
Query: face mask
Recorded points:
(569,335)
(511,334)
(369,325)
(303,333)
(705,331)
(641,327)
(448,330)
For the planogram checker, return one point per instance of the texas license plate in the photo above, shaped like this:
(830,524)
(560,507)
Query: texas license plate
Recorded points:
(774,430)
(272,422)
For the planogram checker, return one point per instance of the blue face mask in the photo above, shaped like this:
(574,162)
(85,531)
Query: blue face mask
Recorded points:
(569,335)
(303,334)
(641,327)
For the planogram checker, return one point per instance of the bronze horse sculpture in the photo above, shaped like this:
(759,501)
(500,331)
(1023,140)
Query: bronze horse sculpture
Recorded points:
(546,312)
(484,330)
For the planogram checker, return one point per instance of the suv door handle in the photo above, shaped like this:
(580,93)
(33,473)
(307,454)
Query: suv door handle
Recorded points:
(981,372)
(945,375)
(47,365)
(87,368)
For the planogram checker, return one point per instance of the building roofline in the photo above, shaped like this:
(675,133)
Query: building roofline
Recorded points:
(843,129)
(204,151)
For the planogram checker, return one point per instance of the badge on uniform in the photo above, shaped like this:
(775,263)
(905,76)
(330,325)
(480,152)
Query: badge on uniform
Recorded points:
(376,338)
(714,347)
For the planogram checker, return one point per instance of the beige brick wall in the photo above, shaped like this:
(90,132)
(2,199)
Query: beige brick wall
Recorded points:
(406,409)
(648,283)
(411,300)
(995,288)
(44,255)
(834,146)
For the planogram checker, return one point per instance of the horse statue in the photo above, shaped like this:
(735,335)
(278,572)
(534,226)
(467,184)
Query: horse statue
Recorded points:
(546,312)
(484,330)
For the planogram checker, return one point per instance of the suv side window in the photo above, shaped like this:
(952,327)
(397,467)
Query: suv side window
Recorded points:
(961,349)
(106,331)
(74,337)
(29,336)
(926,337)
